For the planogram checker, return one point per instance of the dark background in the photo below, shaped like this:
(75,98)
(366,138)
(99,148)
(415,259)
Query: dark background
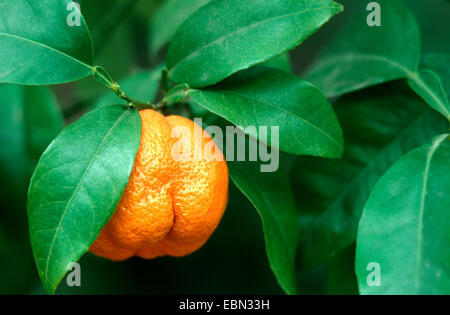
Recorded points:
(234,260)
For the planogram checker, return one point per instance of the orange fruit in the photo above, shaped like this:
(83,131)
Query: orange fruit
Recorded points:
(175,197)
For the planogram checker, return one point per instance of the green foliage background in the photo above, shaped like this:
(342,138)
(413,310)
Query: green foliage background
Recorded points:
(128,38)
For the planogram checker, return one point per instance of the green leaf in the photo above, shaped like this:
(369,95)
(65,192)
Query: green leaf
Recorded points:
(440,64)
(142,85)
(270,97)
(405,226)
(226,36)
(38,45)
(29,120)
(168,18)
(103,77)
(269,192)
(282,62)
(177,94)
(380,124)
(361,56)
(432,82)
(77,185)
(272,197)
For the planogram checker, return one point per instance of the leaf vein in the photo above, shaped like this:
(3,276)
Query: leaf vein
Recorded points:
(240,30)
(76,191)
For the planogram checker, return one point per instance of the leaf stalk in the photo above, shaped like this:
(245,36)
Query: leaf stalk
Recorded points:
(103,77)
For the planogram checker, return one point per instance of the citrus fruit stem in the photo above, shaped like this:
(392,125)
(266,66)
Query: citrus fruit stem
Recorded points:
(102,76)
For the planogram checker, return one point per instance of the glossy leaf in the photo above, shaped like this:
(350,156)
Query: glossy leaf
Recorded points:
(440,64)
(226,36)
(29,120)
(39,46)
(380,124)
(77,185)
(282,62)
(271,195)
(405,226)
(102,76)
(177,93)
(432,82)
(141,85)
(361,56)
(167,20)
(271,97)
